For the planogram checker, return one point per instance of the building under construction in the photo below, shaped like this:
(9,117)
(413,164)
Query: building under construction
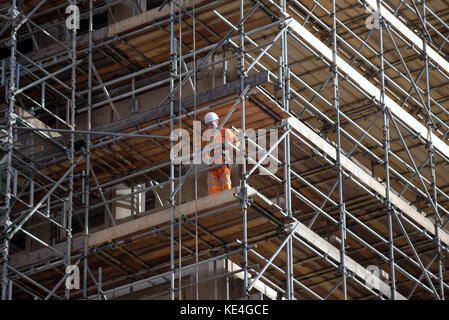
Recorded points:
(347,100)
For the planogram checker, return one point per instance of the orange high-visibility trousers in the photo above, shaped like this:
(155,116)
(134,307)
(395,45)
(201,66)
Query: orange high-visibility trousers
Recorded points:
(219,179)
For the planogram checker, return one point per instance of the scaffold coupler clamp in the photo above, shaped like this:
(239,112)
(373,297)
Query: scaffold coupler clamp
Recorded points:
(171,202)
(12,120)
(289,227)
(242,196)
(14,14)
(349,274)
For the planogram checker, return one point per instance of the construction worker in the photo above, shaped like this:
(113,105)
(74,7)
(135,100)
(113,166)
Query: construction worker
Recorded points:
(219,179)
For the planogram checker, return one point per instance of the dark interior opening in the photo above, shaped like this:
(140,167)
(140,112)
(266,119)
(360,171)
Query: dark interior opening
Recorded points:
(98,20)
(151,4)
(24,46)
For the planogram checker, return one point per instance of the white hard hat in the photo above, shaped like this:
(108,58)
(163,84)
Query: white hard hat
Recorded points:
(210,116)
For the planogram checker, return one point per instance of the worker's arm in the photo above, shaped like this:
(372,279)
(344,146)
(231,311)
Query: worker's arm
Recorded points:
(231,138)
(213,149)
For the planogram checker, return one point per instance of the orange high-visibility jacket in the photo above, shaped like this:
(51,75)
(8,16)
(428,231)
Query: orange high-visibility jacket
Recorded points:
(225,135)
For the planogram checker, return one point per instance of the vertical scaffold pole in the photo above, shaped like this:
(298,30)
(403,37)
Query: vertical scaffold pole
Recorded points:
(72,152)
(386,138)
(89,127)
(172,167)
(288,211)
(243,189)
(336,106)
(430,125)
(6,210)
(285,85)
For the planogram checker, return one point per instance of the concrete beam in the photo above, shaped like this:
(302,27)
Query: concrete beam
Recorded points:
(209,202)
(410,35)
(332,252)
(141,224)
(371,89)
(203,97)
(138,21)
(147,17)
(362,174)
(34,122)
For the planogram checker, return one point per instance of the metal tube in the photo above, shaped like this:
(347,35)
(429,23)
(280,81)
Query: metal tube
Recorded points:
(32,281)
(167,273)
(220,43)
(288,211)
(88,168)
(430,126)
(292,232)
(336,107)
(370,149)
(11,233)
(386,136)
(50,294)
(243,188)
(72,155)
(5,211)
(172,168)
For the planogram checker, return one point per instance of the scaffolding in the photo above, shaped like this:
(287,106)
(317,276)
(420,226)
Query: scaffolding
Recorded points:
(352,93)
